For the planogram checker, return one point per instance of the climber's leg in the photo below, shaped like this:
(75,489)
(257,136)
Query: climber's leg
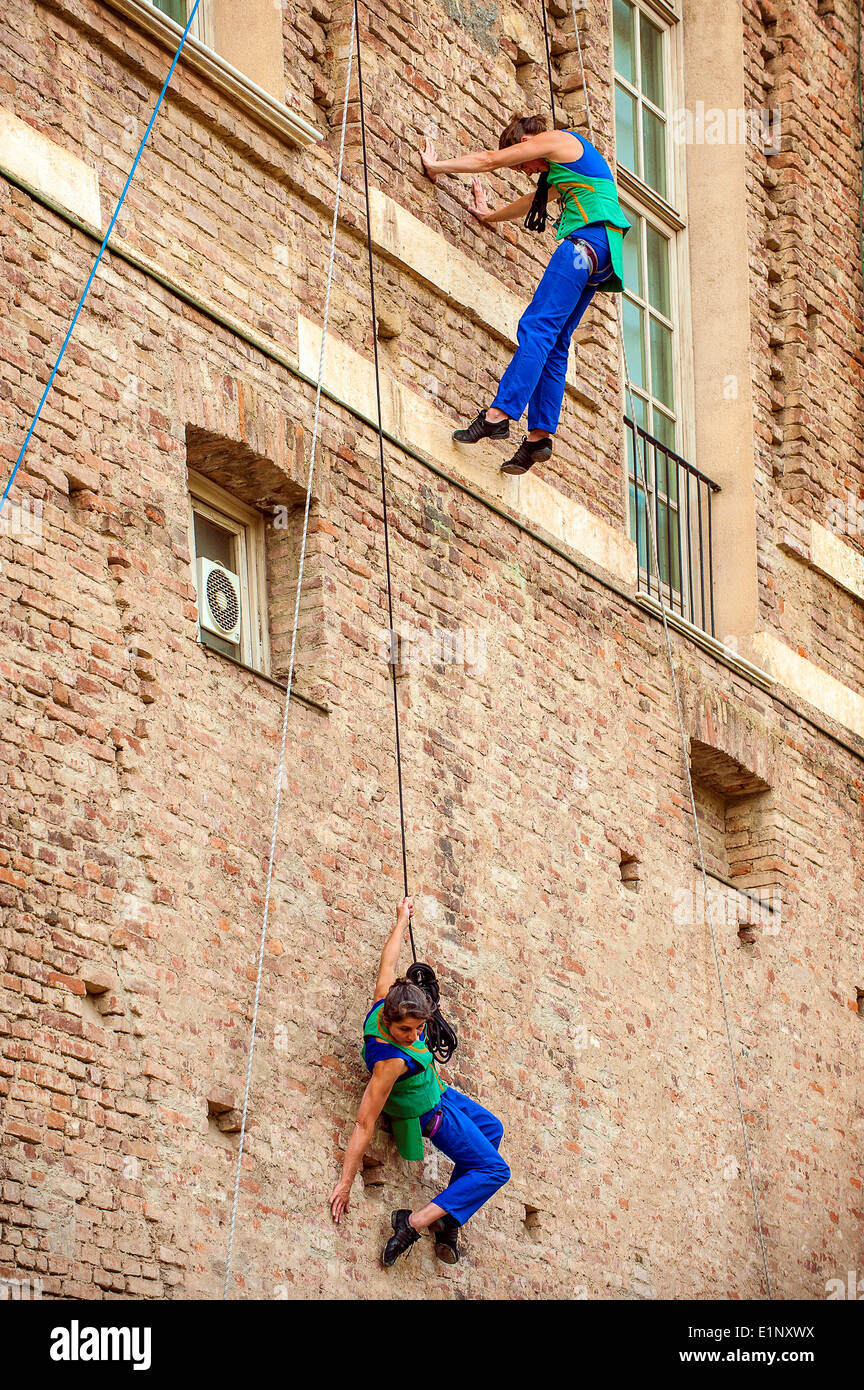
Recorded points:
(554,300)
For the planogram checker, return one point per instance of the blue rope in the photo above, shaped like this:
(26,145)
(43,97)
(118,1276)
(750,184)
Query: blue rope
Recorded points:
(35,419)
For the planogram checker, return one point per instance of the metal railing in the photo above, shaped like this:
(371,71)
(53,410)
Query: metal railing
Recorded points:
(681,498)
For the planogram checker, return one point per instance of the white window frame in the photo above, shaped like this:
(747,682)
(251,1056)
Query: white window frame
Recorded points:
(219,506)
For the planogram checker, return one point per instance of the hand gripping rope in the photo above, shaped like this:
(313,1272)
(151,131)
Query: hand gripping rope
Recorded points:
(654,556)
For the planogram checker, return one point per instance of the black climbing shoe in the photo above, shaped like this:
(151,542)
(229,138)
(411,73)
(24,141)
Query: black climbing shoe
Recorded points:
(402,1239)
(538,451)
(445,1230)
(481,429)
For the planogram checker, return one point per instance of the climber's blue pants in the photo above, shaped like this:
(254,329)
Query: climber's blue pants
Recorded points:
(536,375)
(470,1136)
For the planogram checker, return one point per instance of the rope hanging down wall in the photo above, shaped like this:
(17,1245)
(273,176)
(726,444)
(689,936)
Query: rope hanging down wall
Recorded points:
(100,254)
(313,449)
(654,563)
(440,1036)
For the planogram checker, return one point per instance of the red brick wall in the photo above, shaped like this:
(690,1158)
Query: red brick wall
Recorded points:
(138,782)
(807,318)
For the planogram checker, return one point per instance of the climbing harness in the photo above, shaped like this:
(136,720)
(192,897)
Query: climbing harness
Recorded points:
(654,554)
(441,1037)
(100,254)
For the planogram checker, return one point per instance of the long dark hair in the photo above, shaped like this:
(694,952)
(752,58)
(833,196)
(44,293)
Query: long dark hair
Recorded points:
(417,997)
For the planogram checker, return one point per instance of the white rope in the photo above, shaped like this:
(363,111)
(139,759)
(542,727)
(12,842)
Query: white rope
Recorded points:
(653,549)
(582,71)
(312,451)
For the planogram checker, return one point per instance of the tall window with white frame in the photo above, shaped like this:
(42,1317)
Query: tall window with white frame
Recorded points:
(647,79)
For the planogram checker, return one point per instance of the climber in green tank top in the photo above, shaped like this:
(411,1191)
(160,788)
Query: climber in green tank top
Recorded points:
(406,1086)
(590,231)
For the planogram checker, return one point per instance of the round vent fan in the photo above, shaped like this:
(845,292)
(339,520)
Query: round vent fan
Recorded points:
(222,599)
(219,605)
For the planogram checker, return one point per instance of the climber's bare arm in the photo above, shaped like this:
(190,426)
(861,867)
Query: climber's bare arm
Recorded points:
(380,1084)
(510,212)
(387,969)
(557,145)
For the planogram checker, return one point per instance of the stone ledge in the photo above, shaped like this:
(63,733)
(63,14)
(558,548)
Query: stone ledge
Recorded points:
(421,424)
(837,560)
(727,655)
(802,676)
(28,155)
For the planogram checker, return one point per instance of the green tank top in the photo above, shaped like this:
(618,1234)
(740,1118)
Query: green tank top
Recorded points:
(411,1095)
(587,198)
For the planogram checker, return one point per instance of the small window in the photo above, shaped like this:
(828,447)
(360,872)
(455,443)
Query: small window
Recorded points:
(227,534)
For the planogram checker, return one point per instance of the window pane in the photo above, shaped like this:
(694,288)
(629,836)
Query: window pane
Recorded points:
(634,341)
(658,271)
(662,379)
(213,542)
(651,39)
(639,410)
(175,9)
(654,139)
(639,525)
(625,40)
(625,129)
(666,522)
(632,254)
(664,429)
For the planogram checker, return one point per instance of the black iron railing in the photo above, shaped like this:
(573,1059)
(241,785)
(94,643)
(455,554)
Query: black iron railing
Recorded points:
(680,497)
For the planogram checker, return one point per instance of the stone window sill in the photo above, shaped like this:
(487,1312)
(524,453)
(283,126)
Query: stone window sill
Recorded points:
(225,78)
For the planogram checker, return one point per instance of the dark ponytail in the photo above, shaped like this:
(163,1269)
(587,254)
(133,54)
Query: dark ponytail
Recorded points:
(536,219)
(441,1039)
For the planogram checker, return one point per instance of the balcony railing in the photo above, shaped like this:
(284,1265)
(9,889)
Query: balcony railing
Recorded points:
(681,500)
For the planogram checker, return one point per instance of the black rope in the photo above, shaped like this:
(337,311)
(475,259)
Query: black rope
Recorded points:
(549,64)
(440,1037)
(536,218)
(383,472)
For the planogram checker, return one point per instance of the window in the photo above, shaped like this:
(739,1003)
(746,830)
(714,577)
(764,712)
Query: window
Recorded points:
(179,11)
(247,34)
(641,125)
(648,78)
(229,534)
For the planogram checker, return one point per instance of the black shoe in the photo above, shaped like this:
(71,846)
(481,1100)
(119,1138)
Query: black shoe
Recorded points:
(481,429)
(538,451)
(446,1230)
(402,1239)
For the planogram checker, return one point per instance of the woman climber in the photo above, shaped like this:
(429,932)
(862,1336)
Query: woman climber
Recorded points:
(406,1085)
(590,231)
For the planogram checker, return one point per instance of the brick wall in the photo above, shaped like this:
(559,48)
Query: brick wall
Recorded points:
(806,304)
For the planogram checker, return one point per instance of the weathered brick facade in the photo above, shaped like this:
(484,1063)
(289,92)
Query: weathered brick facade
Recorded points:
(550,841)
